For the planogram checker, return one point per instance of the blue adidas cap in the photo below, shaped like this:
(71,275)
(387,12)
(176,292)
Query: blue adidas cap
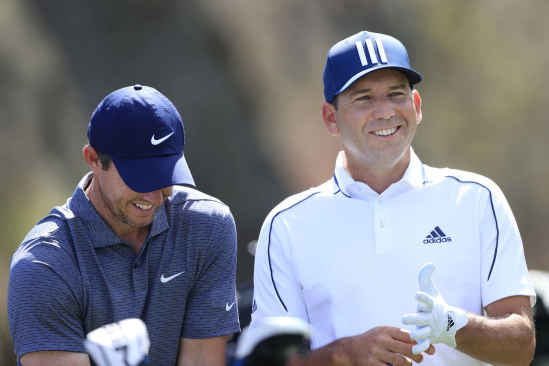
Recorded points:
(358,55)
(143,133)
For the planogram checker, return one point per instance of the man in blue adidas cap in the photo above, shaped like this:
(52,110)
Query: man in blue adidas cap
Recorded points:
(136,240)
(345,256)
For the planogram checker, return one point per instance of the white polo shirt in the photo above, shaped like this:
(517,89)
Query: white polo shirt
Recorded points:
(346,259)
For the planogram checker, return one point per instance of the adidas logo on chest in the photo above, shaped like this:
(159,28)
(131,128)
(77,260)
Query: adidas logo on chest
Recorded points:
(437,236)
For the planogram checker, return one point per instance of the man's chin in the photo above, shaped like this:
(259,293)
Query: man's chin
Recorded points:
(138,222)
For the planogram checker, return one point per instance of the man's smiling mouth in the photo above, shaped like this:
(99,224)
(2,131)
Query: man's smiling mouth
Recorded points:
(143,207)
(386,132)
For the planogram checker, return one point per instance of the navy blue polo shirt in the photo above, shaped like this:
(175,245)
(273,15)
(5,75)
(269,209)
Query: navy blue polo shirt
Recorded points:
(72,274)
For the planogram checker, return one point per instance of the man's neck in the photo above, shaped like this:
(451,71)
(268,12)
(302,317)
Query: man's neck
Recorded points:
(377,177)
(136,236)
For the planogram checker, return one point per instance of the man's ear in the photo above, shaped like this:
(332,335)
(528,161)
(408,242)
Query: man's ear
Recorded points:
(90,154)
(417,105)
(328,113)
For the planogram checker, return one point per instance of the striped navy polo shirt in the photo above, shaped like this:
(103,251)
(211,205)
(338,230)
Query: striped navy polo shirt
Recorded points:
(72,274)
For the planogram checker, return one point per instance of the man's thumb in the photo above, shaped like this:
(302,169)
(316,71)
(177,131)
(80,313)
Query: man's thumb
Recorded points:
(425,282)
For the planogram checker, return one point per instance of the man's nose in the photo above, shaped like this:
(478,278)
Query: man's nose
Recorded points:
(383,109)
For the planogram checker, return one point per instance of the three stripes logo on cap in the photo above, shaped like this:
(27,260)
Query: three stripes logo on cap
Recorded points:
(436,236)
(371,51)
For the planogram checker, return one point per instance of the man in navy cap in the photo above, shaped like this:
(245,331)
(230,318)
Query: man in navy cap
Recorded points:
(136,240)
(345,256)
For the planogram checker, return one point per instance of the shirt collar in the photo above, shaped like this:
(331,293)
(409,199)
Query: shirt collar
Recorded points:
(414,176)
(100,233)
(415,173)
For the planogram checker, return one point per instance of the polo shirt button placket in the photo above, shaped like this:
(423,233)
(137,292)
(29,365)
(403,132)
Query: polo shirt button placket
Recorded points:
(382,217)
(139,279)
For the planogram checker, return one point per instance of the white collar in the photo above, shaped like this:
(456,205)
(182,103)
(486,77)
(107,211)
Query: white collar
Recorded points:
(414,176)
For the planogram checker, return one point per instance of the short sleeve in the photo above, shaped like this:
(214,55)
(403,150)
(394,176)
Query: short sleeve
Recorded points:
(276,292)
(43,311)
(503,268)
(211,308)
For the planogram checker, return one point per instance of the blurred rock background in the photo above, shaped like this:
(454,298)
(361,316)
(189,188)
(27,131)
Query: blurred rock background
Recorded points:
(246,77)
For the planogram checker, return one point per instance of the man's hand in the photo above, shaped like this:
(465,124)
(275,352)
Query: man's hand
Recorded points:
(385,344)
(378,346)
(436,321)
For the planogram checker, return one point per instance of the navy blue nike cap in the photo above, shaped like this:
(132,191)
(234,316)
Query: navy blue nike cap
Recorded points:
(143,133)
(360,54)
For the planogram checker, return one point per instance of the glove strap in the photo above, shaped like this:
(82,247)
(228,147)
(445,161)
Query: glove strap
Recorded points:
(454,320)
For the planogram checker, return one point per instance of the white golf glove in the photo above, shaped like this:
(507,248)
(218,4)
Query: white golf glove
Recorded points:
(437,322)
(125,343)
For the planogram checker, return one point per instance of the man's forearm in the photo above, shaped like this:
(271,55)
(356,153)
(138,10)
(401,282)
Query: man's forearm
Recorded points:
(202,351)
(329,355)
(508,340)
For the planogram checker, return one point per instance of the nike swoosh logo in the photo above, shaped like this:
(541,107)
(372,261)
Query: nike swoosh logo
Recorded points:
(166,279)
(227,307)
(156,142)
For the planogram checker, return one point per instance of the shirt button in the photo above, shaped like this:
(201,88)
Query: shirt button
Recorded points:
(134,265)
(379,201)
(359,187)
(381,224)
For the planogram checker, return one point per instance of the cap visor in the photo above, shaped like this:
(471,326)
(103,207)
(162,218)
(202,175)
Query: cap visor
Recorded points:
(412,76)
(151,174)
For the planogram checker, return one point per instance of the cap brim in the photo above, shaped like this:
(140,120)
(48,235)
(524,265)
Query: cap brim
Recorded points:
(151,174)
(412,76)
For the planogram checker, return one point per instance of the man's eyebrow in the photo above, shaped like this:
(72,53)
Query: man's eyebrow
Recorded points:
(360,91)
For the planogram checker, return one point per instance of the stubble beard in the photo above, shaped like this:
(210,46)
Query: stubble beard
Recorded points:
(120,214)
